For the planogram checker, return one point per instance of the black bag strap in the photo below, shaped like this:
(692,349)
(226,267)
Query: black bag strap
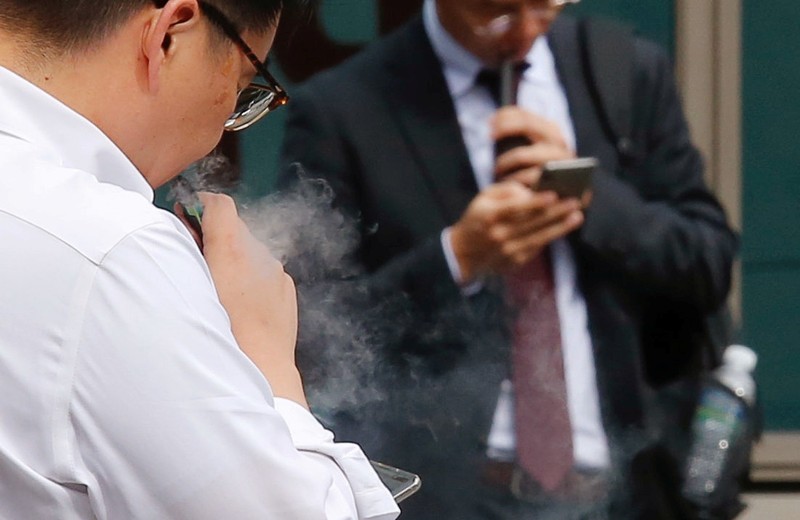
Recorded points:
(607,49)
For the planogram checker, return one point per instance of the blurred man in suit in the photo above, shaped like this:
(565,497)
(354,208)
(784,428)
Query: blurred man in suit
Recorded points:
(542,323)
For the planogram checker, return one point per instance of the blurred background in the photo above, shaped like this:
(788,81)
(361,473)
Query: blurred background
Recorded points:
(738,66)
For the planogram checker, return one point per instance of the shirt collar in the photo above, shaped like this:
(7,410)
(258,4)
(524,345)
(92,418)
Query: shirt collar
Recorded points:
(71,140)
(461,67)
(542,63)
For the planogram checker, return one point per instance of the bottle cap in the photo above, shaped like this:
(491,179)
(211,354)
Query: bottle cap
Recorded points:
(741,357)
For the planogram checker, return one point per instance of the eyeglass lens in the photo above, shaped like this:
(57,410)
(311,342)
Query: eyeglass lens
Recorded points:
(501,24)
(253,103)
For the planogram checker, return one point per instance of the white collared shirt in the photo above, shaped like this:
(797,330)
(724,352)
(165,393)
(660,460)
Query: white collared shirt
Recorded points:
(540,91)
(124,393)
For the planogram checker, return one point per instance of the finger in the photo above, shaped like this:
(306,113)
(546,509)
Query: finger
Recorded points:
(217,203)
(533,222)
(528,177)
(501,194)
(523,249)
(219,214)
(513,120)
(586,199)
(520,208)
(524,157)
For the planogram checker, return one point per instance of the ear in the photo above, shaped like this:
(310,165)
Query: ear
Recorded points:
(157,38)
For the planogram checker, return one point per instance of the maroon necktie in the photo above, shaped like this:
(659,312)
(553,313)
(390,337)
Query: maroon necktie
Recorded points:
(543,431)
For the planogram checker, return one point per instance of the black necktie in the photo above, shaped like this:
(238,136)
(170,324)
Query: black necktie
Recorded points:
(491,79)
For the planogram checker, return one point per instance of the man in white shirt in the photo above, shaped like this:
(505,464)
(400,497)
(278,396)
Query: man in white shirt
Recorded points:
(143,377)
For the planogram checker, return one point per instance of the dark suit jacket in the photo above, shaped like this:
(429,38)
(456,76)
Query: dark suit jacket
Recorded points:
(653,256)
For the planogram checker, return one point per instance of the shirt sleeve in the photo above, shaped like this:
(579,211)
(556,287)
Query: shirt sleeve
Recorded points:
(172,420)
(469,289)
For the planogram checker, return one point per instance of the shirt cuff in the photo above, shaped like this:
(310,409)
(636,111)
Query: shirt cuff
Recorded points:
(469,289)
(373,500)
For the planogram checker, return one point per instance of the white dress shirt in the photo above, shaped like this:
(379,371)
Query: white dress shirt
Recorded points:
(541,92)
(124,393)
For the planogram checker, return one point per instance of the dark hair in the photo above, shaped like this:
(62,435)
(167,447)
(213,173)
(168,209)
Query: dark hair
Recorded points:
(69,25)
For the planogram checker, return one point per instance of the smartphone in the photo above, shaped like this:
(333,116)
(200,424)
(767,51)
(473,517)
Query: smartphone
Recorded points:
(402,484)
(568,178)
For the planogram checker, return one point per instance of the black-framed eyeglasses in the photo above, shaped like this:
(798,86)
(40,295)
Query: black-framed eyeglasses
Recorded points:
(255,100)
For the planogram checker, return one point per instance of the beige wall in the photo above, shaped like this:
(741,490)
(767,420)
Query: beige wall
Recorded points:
(708,65)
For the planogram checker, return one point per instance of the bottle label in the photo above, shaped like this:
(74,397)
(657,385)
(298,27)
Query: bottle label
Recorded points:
(717,433)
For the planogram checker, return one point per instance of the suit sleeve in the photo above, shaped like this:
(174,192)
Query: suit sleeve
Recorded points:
(315,146)
(416,284)
(657,224)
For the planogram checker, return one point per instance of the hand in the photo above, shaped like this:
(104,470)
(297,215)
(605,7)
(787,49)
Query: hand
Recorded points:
(258,295)
(586,199)
(507,225)
(524,163)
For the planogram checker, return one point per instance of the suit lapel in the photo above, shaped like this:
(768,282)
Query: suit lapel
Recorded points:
(563,39)
(591,135)
(418,97)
